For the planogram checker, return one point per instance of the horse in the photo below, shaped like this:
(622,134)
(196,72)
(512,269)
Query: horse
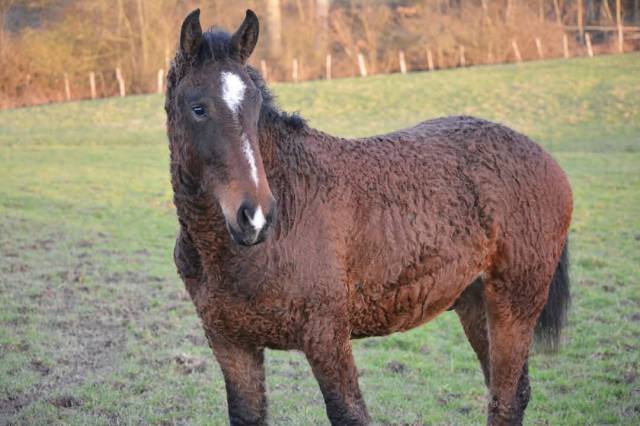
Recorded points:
(292,239)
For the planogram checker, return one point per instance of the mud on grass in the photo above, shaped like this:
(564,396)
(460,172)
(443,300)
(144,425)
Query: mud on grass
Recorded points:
(96,328)
(74,325)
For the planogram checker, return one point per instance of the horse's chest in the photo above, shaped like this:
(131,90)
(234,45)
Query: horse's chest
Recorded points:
(233,312)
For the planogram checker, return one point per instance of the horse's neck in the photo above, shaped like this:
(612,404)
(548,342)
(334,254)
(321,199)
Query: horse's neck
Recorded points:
(293,159)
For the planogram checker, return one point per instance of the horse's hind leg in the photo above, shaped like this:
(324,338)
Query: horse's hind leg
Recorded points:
(512,311)
(471,310)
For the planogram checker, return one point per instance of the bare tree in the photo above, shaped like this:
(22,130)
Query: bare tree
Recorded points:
(274,28)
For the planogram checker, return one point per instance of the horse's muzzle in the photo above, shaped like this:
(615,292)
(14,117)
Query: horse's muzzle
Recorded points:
(251,225)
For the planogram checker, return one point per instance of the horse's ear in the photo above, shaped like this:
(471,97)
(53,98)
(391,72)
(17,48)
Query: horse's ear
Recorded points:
(244,40)
(191,33)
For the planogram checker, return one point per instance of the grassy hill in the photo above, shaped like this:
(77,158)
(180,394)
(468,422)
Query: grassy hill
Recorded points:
(95,326)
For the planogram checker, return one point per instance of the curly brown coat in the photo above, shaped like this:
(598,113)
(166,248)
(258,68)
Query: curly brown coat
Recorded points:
(370,236)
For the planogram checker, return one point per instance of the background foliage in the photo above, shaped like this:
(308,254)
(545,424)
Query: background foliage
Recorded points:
(42,40)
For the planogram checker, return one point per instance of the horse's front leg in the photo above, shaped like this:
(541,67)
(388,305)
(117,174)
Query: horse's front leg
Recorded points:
(243,370)
(327,346)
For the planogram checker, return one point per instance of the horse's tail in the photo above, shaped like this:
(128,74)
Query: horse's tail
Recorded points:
(554,315)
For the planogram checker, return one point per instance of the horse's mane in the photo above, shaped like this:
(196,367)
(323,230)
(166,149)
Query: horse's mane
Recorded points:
(216,45)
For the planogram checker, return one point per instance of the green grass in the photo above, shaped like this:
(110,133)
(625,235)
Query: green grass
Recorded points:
(96,328)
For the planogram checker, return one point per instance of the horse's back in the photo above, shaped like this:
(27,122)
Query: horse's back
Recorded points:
(447,195)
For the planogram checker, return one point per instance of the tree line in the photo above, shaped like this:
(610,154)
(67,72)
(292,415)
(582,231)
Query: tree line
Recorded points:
(52,50)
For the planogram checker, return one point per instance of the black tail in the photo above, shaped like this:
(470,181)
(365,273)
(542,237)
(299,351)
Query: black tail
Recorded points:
(554,315)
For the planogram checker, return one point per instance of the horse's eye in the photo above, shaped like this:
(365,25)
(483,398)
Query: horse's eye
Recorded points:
(199,110)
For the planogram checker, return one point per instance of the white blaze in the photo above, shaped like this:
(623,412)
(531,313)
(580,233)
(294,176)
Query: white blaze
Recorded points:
(232,90)
(233,93)
(258,220)
(251,158)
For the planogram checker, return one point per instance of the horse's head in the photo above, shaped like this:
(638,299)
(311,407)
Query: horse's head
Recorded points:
(217,107)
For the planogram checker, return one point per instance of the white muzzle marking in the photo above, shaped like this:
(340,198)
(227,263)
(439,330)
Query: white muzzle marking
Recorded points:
(258,221)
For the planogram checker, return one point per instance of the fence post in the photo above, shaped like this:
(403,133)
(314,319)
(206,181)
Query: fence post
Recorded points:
(516,51)
(587,38)
(463,60)
(263,68)
(92,84)
(539,47)
(295,70)
(120,82)
(430,60)
(328,66)
(361,65)
(160,80)
(403,64)
(565,45)
(67,87)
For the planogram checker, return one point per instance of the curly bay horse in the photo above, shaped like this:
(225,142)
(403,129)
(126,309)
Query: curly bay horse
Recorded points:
(359,237)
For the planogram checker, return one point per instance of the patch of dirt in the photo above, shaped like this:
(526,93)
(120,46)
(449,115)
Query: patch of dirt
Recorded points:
(85,244)
(630,376)
(187,364)
(396,367)
(14,404)
(88,332)
(66,401)
(40,367)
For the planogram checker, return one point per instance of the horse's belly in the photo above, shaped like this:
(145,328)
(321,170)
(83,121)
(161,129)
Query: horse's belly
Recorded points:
(401,307)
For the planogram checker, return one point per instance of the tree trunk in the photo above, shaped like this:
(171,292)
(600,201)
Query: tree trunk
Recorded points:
(322,17)
(274,28)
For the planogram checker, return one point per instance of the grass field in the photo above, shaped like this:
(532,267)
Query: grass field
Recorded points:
(95,327)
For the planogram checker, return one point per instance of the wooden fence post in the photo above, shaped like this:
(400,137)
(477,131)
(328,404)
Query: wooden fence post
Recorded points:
(263,68)
(516,51)
(120,82)
(539,48)
(430,60)
(67,87)
(160,80)
(403,64)
(565,45)
(295,70)
(463,60)
(361,65)
(327,65)
(587,37)
(92,84)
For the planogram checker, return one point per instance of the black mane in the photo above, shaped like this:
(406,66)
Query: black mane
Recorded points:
(216,45)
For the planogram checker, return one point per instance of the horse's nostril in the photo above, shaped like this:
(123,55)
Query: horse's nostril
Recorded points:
(244,216)
(247,215)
